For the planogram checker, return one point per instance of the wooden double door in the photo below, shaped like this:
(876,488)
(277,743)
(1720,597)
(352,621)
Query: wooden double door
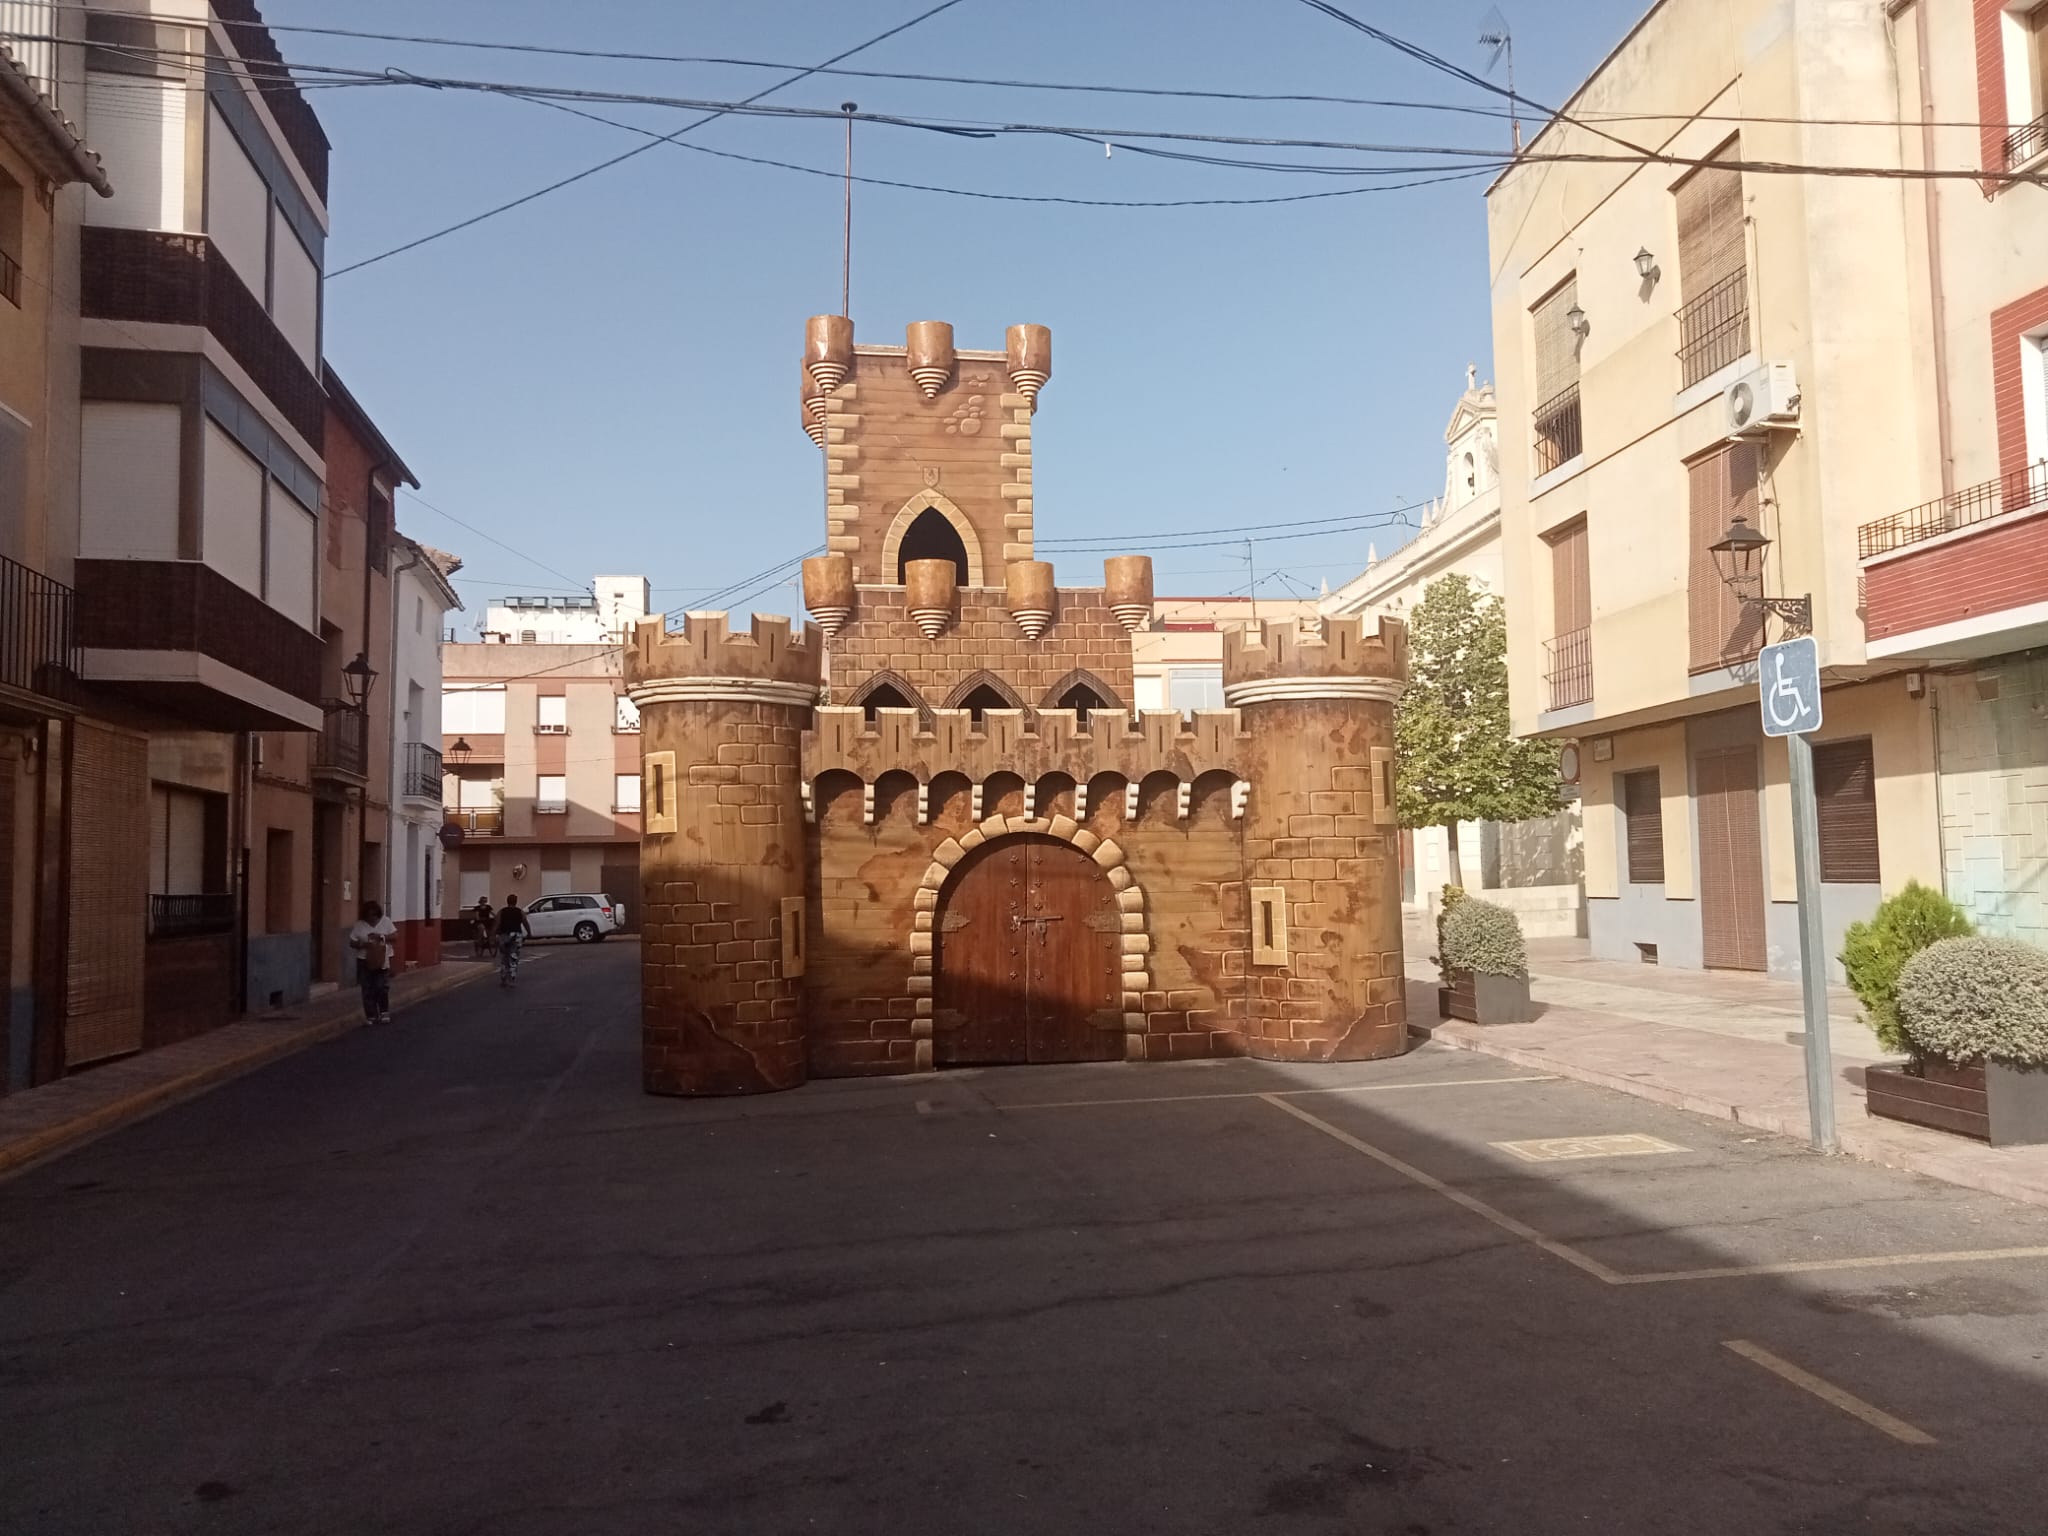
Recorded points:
(1028,958)
(1732,934)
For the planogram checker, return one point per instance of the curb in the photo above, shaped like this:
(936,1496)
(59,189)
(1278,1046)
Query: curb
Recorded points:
(1853,1139)
(17,1156)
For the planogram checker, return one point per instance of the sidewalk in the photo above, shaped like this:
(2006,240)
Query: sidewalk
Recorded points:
(37,1123)
(1714,1043)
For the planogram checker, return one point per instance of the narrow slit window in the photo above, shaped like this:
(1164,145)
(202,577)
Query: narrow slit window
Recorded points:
(1269,925)
(658,814)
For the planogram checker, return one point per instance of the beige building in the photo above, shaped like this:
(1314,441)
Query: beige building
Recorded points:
(542,752)
(1678,345)
(1177,659)
(1531,866)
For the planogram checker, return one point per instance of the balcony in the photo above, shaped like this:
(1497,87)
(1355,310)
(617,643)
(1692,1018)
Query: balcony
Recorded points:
(420,772)
(1569,672)
(1960,577)
(2022,144)
(152,277)
(1713,329)
(1559,439)
(184,917)
(341,751)
(489,823)
(550,807)
(38,635)
(183,638)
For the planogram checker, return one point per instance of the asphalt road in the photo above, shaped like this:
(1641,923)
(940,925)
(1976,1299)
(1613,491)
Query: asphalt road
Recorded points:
(461,1276)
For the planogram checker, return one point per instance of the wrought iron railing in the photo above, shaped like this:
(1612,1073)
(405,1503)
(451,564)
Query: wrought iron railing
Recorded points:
(489,823)
(2019,491)
(1713,329)
(1559,438)
(38,633)
(341,746)
(10,279)
(2022,144)
(181,917)
(1570,674)
(422,770)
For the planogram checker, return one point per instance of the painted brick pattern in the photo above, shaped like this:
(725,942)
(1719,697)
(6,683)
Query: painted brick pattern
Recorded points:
(1994,794)
(2009,322)
(1986,571)
(1084,636)
(1988,19)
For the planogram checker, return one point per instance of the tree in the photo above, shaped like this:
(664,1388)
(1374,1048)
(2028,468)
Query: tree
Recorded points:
(1457,761)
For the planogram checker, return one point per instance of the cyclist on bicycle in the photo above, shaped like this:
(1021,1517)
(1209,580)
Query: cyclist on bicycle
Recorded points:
(511,931)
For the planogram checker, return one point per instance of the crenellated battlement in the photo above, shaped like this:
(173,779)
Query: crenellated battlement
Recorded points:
(707,650)
(1326,647)
(1030,744)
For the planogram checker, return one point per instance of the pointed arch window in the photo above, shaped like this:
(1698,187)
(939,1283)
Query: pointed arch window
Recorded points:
(932,537)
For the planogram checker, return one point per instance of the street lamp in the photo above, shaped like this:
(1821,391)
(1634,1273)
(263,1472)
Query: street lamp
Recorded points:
(1575,317)
(358,677)
(459,753)
(1645,263)
(1739,557)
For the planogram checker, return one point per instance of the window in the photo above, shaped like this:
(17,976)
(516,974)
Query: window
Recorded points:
(128,480)
(1723,629)
(138,131)
(1570,650)
(554,714)
(1192,688)
(1269,925)
(1384,788)
(886,696)
(932,536)
(473,710)
(12,223)
(419,615)
(1713,269)
(792,937)
(480,794)
(1559,439)
(231,537)
(1845,791)
(294,290)
(551,794)
(529,637)
(237,207)
(626,792)
(1642,813)
(980,701)
(2025,46)
(13,486)
(554,882)
(1082,700)
(626,721)
(290,549)
(188,842)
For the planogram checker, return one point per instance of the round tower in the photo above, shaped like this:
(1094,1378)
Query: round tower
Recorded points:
(1323,976)
(722,851)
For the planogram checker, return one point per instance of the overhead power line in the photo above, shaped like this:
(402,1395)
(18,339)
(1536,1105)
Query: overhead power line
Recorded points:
(605,165)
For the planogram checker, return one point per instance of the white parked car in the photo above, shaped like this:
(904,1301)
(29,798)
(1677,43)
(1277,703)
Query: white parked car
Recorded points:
(586,919)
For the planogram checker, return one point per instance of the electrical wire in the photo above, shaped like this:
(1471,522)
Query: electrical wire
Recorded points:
(414,495)
(605,165)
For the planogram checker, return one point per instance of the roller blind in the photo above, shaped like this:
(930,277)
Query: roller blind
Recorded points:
(1720,485)
(237,206)
(1710,235)
(1845,790)
(1571,581)
(232,537)
(1557,350)
(1642,806)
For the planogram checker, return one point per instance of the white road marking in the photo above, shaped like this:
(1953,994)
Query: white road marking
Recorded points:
(1255,1093)
(1818,1266)
(1828,1392)
(1565,1149)
(1476,1206)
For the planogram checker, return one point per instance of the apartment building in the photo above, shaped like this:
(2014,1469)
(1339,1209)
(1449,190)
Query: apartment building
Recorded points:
(1680,346)
(1955,566)
(40,152)
(542,750)
(422,597)
(1177,659)
(1532,866)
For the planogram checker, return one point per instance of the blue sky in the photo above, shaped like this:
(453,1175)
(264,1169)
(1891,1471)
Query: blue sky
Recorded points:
(603,379)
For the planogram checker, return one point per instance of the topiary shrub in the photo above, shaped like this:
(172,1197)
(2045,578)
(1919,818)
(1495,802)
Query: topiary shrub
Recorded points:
(1453,894)
(1481,937)
(1874,952)
(1968,999)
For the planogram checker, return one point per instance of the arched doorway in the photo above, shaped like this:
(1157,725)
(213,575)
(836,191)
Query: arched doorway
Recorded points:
(1027,958)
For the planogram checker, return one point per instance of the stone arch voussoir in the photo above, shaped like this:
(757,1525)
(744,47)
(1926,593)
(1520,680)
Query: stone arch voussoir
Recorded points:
(1108,856)
(908,513)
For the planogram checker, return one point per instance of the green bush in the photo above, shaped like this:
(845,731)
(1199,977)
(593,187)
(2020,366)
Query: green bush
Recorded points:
(1874,952)
(1966,999)
(1481,937)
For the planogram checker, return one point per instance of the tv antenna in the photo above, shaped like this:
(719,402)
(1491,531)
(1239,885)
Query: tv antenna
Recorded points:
(1494,34)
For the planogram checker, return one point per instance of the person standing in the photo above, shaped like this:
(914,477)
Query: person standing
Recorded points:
(371,939)
(512,931)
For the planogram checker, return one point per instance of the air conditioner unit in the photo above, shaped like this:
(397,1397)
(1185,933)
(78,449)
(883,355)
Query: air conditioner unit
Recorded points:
(1761,401)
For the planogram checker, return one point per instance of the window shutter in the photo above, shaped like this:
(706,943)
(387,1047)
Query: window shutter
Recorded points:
(1642,805)
(1845,790)
(1557,353)
(1721,485)
(1711,244)
(1570,581)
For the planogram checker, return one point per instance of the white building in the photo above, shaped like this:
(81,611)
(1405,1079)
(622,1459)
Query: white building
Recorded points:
(1533,866)
(602,616)
(421,600)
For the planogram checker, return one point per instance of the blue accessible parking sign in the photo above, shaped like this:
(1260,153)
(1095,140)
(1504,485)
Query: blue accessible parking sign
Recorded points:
(1788,683)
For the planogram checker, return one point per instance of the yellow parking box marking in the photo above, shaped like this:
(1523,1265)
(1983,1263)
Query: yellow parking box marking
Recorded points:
(1828,1392)
(1476,1206)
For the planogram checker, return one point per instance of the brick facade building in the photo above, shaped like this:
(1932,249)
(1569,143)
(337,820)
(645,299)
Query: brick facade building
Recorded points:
(931,830)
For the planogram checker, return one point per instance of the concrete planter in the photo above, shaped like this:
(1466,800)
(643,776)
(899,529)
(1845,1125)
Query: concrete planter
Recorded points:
(2018,1101)
(1480,999)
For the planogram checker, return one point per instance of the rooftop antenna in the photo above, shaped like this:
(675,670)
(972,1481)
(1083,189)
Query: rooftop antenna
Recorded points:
(846,262)
(1494,34)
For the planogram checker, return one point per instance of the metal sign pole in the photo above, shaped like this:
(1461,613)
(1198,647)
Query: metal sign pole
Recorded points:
(1813,954)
